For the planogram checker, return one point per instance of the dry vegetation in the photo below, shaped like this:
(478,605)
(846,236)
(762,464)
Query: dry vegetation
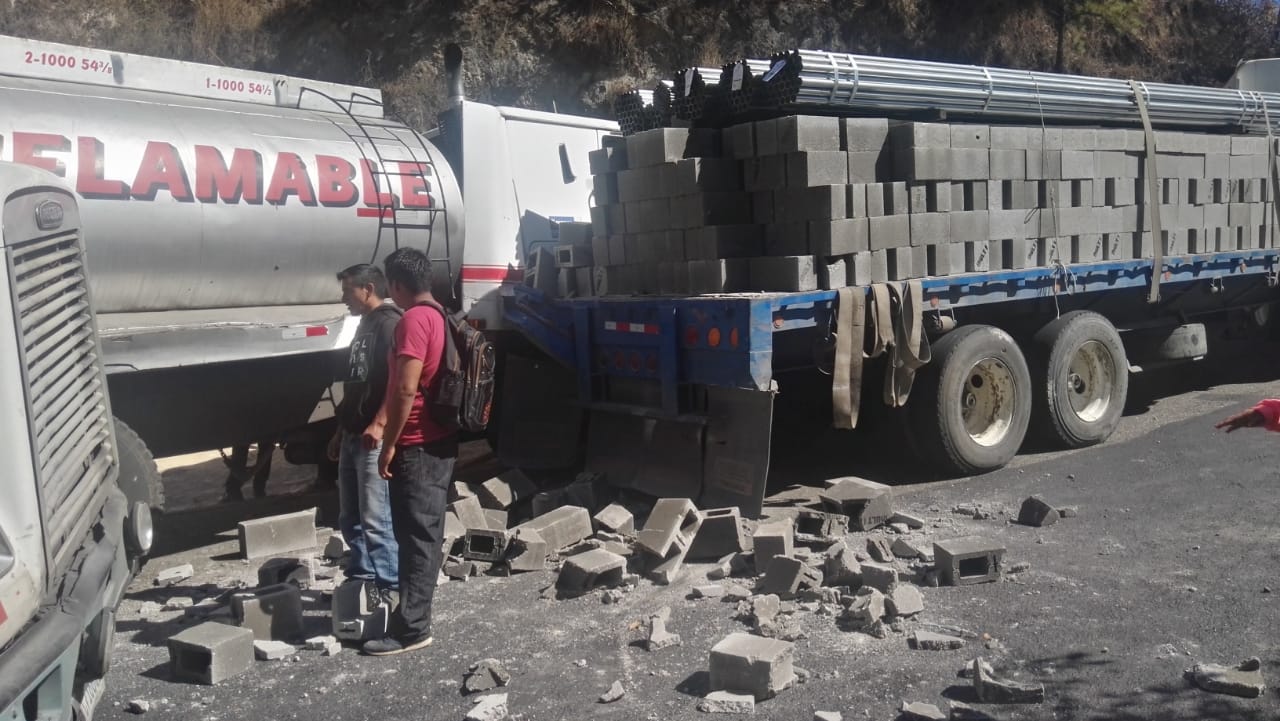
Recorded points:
(575,55)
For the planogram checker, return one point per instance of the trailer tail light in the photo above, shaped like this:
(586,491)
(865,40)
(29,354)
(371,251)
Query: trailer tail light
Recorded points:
(713,337)
(314,331)
(734,338)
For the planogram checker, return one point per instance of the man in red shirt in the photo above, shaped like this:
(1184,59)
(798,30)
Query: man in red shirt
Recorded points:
(417,453)
(1264,415)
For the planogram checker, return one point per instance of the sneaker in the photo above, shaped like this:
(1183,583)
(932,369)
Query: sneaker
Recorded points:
(392,645)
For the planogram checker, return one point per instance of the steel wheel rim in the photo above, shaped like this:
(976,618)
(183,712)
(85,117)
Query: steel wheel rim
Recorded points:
(987,401)
(1090,382)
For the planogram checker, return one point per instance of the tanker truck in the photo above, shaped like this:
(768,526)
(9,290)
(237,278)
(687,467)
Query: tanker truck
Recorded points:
(218,204)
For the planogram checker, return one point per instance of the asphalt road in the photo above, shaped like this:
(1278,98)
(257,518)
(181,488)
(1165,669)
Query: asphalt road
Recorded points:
(1168,563)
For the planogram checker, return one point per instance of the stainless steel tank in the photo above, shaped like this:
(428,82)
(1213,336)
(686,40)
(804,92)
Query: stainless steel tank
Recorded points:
(190,202)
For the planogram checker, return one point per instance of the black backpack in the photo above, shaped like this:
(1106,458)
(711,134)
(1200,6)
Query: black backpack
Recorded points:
(464,383)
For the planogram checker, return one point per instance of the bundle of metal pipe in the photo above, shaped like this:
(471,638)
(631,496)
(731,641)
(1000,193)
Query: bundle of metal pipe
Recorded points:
(695,90)
(739,83)
(637,110)
(817,81)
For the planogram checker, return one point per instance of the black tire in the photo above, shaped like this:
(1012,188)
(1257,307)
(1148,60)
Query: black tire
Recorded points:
(953,380)
(1082,380)
(139,478)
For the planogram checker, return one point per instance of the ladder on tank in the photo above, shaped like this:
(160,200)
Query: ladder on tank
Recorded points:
(385,143)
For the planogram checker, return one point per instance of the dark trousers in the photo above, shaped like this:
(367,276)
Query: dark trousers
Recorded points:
(419,497)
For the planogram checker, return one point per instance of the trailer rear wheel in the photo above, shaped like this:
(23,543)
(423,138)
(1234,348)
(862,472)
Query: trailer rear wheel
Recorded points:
(1082,377)
(972,404)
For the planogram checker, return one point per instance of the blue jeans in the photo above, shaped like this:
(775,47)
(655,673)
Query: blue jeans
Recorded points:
(420,493)
(364,516)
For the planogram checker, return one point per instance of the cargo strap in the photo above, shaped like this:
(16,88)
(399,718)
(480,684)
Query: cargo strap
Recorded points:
(1153,195)
(846,380)
(897,328)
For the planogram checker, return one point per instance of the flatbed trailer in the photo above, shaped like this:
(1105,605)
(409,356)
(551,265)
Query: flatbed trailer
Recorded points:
(677,391)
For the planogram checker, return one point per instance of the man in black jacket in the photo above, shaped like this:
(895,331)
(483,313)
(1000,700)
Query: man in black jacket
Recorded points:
(364,515)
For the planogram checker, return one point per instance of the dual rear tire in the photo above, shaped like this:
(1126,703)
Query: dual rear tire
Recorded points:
(974,404)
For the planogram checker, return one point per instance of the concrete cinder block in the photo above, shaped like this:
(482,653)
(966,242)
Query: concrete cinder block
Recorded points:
(1044,164)
(970,135)
(606,160)
(1009,137)
(738,141)
(864,134)
(1008,164)
(672,521)
(668,145)
(817,527)
(930,228)
(605,188)
(839,237)
(825,202)
(721,533)
(485,544)
(945,259)
(762,667)
(880,576)
(562,527)
(615,518)
(1248,145)
(970,225)
(869,166)
(908,263)
(636,184)
(353,618)
(526,551)
(210,653)
(968,560)
(174,575)
(764,173)
(931,163)
(589,570)
(833,273)
(787,239)
(1087,248)
(766,132)
(724,241)
(808,132)
(1052,251)
(866,505)
(786,274)
(1078,164)
(271,612)
(1020,253)
(470,512)
(841,567)
(858,267)
(698,175)
(1117,164)
(787,576)
(712,208)
(888,231)
(1036,512)
(970,164)
(505,489)
(277,535)
(776,538)
(817,167)
(719,276)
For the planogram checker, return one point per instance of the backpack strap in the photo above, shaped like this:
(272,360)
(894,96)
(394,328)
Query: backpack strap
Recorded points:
(450,355)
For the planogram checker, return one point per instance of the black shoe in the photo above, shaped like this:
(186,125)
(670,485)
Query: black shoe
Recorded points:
(392,645)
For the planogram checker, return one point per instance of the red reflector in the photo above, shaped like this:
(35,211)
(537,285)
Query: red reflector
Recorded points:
(691,336)
(316,330)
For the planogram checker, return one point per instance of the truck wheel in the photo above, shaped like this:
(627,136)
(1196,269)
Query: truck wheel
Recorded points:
(972,403)
(139,477)
(1082,379)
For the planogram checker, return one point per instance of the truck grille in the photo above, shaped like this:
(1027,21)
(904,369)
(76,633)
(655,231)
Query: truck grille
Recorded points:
(65,391)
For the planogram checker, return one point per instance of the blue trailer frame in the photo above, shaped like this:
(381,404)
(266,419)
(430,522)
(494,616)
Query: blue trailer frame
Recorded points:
(728,340)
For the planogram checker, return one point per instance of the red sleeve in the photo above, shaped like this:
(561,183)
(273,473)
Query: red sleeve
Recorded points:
(420,335)
(1270,412)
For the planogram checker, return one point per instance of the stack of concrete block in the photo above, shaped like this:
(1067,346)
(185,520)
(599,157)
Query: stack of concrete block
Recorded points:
(814,202)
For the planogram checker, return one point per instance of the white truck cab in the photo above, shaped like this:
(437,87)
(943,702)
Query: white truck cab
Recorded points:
(69,538)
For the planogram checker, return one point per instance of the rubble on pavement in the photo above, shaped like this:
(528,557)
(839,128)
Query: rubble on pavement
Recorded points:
(1243,680)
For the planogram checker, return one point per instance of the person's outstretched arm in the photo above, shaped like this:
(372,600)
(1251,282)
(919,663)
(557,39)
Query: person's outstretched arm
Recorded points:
(1264,415)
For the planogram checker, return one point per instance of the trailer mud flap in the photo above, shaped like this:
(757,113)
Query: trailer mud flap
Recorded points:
(718,459)
(736,463)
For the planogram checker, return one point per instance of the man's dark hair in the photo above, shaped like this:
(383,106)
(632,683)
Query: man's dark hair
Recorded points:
(410,268)
(362,274)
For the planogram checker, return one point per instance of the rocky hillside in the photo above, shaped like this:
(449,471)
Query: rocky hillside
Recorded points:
(574,55)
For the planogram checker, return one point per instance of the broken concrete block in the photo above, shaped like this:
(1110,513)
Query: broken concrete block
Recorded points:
(459,569)
(828,716)
(496,519)
(319,643)
(760,666)
(772,539)
(929,641)
(961,711)
(914,522)
(1068,512)
(547,501)
(336,547)
(178,603)
(903,600)
(210,653)
(880,549)
(1244,680)
(764,609)
(615,693)
(842,567)
(720,534)
(562,527)
(817,527)
(526,551)
(277,535)
(459,490)
(671,520)
(866,505)
(488,708)
(353,617)
(905,548)
(658,636)
(272,650)
(879,576)
(713,590)
(469,512)
(296,571)
(485,544)
(615,519)
(787,575)
(865,608)
(485,675)
(921,712)
(271,612)
(993,689)
(727,702)
(506,488)
(1035,512)
(590,570)
(969,560)
(177,574)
